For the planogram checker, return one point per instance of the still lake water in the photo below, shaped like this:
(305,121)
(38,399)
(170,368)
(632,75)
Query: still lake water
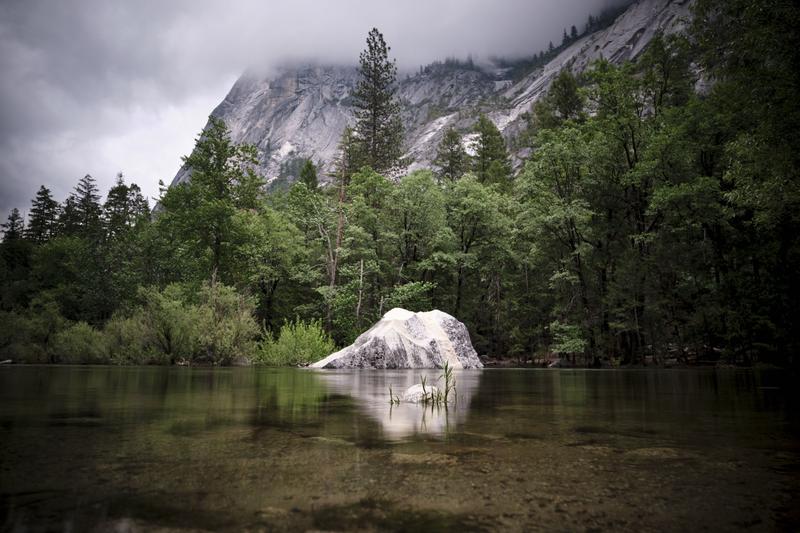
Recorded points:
(127,449)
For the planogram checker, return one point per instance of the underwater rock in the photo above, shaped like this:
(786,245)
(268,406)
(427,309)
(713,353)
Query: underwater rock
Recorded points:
(416,394)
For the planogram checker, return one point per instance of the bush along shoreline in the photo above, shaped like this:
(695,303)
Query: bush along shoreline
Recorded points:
(174,326)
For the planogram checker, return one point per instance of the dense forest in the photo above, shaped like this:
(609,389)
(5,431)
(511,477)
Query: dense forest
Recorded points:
(656,222)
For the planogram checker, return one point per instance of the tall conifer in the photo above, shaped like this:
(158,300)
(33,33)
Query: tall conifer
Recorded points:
(378,125)
(43,217)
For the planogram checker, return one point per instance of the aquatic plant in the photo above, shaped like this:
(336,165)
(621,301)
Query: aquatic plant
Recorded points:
(393,398)
(449,382)
(436,397)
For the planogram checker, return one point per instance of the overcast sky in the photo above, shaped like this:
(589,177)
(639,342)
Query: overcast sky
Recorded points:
(99,87)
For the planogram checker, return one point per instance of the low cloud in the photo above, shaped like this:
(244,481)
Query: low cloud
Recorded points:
(100,87)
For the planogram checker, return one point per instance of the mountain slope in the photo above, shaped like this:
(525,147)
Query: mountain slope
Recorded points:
(300,112)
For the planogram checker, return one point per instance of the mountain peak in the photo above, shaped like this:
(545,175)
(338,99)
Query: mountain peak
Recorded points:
(298,111)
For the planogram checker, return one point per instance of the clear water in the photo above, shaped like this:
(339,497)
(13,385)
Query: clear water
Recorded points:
(126,449)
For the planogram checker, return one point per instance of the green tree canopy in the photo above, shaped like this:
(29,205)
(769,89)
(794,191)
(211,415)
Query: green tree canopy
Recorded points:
(43,217)
(200,213)
(378,127)
(13,227)
(308,175)
(451,158)
(491,163)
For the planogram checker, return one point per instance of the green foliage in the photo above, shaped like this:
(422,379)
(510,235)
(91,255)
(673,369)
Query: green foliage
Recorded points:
(226,329)
(81,214)
(298,344)
(169,326)
(14,227)
(124,208)
(69,271)
(79,343)
(27,335)
(562,102)
(43,217)
(15,339)
(308,175)
(199,215)
(418,210)
(131,342)
(567,339)
(491,163)
(414,296)
(15,264)
(379,128)
(351,155)
(451,159)
(649,222)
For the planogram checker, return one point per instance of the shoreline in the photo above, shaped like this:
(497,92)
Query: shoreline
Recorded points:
(488,365)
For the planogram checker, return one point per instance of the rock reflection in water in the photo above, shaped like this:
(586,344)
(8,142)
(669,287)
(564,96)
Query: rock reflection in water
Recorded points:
(370,390)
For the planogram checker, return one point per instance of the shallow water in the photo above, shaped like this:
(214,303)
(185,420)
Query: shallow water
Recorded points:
(100,448)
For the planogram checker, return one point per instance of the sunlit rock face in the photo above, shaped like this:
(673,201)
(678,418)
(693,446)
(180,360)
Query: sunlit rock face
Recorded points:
(403,339)
(299,112)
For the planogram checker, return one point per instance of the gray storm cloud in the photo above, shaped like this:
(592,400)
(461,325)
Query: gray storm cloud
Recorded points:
(98,87)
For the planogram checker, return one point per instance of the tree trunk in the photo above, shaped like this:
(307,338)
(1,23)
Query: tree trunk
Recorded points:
(360,294)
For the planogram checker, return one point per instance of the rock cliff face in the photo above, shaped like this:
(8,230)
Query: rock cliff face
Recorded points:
(402,339)
(300,112)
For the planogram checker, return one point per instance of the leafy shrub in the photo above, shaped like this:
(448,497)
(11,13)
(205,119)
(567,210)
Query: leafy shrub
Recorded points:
(298,343)
(79,343)
(226,327)
(127,340)
(162,329)
(169,326)
(25,337)
(567,339)
(44,320)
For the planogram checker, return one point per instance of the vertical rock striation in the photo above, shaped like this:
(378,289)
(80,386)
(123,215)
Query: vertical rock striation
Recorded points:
(403,339)
(299,112)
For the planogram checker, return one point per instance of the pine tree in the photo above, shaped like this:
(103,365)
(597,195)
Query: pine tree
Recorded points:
(139,206)
(14,228)
(116,209)
(68,218)
(490,164)
(124,207)
(308,175)
(378,125)
(350,156)
(451,158)
(573,33)
(564,38)
(203,211)
(86,200)
(43,217)
(562,102)
(15,256)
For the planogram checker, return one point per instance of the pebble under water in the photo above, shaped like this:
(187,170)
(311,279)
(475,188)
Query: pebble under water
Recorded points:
(147,448)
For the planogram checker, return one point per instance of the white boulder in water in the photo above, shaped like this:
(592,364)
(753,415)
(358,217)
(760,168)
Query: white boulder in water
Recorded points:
(404,339)
(418,394)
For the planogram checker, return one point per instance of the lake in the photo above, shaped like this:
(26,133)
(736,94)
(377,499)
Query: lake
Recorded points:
(141,448)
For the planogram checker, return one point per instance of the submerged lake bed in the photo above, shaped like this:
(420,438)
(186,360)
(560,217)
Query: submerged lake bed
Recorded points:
(149,448)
